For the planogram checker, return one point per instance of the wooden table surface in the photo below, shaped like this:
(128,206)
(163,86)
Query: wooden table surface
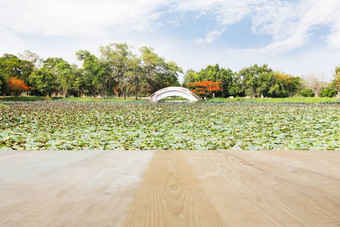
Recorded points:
(170,188)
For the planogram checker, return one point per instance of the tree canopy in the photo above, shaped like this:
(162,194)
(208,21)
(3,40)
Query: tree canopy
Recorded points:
(122,71)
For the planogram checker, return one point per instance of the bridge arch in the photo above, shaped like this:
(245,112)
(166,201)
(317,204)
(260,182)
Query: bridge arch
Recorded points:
(173,91)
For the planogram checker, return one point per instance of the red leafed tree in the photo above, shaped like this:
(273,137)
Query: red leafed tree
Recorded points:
(17,86)
(205,88)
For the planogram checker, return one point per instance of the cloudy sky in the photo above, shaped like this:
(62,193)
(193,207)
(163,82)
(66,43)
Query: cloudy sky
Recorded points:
(298,37)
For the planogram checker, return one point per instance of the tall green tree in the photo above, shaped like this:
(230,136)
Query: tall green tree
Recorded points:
(65,77)
(287,85)
(216,74)
(336,80)
(135,74)
(157,71)
(96,72)
(167,74)
(12,66)
(31,57)
(45,79)
(117,56)
(79,83)
(190,77)
(256,80)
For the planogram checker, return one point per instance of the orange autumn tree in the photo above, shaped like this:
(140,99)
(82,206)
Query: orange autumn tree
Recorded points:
(205,88)
(17,86)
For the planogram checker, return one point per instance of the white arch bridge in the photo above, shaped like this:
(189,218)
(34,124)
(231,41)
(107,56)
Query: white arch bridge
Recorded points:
(173,91)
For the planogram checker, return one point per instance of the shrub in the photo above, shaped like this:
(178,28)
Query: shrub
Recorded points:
(307,93)
(328,92)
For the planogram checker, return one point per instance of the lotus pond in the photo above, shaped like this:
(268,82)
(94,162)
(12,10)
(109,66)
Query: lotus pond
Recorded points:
(54,125)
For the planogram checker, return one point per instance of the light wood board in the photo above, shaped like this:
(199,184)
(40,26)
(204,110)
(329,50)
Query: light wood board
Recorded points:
(170,188)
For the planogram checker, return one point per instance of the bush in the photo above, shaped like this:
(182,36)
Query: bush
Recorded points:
(307,93)
(328,92)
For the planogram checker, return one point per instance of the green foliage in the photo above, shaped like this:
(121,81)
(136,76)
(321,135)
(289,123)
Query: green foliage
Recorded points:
(336,80)
(307,93)
(12,66)
(45,79)
(285,85)
(158,73)
(215,74)
(96,73)
(119,71)
(258,80)
(328,92)
(144,126)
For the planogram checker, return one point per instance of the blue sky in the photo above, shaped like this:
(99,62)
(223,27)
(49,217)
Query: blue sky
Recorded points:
(299,37)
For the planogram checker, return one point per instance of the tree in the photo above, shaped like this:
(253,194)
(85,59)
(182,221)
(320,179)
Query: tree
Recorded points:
(17,86)
(205,88)
(96,72)
(157,72)
(314,83)
(79,84)
(45,79)
(30,56)
(135,74)
(215,73)
(65,78)
(336,80)
(167,74)
(116,57)
(189,77)
(286,85)
(257,80)
(12,66)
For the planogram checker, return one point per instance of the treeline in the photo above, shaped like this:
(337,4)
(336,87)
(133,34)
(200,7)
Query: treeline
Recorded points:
(116,72)
(262,81)
(120,71)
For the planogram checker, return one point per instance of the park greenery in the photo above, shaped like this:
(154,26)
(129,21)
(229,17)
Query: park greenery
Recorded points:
(50,104)
(120,71)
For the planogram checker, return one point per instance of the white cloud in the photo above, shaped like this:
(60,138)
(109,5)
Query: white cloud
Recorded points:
(60,28)
(290,24)
(210,36)
(76,17)
(227,12)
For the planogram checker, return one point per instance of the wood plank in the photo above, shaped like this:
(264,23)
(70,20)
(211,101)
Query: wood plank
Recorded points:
(180,188)
(271,188)
(170,195)
(20,165)
(95,190)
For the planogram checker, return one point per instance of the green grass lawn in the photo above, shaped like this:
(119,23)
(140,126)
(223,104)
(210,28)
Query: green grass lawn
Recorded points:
(68,99)
(91,99)
(24,98)
(298,100)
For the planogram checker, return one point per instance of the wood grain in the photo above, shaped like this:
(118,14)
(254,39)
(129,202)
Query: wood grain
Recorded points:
(69,188)
(271,188)
(170,195)
(170,188)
